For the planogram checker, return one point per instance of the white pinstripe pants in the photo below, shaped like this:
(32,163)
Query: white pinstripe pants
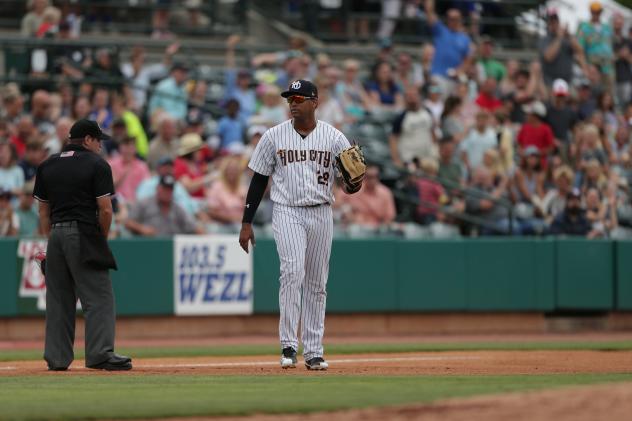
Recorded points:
(303,237)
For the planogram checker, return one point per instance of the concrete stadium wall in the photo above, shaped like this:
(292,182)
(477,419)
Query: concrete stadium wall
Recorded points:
(391,275)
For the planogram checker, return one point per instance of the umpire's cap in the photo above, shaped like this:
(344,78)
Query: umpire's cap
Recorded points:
(85,127)
(301,87)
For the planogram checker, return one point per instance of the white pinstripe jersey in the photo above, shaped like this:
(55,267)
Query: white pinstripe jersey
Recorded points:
(302,170)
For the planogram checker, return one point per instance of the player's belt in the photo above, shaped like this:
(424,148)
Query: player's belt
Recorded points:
(66,224)
(317,205)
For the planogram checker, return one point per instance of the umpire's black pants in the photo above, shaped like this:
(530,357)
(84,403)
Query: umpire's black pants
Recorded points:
(67,278)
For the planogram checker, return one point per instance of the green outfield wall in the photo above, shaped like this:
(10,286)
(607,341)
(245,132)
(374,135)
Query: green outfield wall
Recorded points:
(389,275)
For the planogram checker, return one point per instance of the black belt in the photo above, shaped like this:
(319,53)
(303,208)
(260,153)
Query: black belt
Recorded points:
(316,205)
(66,224)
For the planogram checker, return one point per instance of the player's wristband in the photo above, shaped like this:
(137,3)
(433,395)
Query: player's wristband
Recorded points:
(256,190)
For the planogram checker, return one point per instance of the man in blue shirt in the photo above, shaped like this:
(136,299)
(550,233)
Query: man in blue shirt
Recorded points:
(230,127)
(452,44)
(170,94)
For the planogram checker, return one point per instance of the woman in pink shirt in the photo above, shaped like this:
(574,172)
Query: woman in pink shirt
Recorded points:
(127,170)
(227,195)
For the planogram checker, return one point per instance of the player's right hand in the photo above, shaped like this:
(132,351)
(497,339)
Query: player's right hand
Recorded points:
(246,235)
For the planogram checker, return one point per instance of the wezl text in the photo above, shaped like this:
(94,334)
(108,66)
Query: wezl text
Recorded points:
(202,278)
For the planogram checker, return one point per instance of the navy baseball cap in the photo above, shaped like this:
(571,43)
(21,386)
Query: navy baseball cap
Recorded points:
(85,127)
(301,87)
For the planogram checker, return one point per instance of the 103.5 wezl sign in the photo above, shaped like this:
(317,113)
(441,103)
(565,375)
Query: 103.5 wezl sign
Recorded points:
(212,275)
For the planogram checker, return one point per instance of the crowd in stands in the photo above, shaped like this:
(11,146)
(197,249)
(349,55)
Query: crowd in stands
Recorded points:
(482,146)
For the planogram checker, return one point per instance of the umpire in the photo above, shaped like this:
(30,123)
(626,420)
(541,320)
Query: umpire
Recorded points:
(74,189)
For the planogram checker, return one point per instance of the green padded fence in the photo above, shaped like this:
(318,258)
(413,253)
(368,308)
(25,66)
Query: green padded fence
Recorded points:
(392,275)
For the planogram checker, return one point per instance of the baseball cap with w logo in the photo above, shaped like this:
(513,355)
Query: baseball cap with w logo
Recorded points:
(301,87)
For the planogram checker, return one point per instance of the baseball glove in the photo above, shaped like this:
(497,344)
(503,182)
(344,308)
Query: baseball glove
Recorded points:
(352,167)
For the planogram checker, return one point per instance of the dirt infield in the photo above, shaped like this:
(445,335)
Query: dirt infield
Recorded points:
(406,364)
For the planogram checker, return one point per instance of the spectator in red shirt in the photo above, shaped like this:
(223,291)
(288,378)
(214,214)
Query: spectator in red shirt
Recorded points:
(188,167)
(430,192)
(25,131)
(535,132)
(487,98)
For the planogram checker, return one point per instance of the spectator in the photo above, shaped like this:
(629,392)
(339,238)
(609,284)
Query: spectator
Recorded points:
(41,104)
(595,37)
(407,73)
(13,103)
(620,151)
(434,102)
(199,106)
(491,67)
(9,220)
(586,104)
(451,121)
(35,154)
(506,142)
(535,132)
(486,206)
(165,143)
(81,108)
(160,216)
(554,201)
(558,49)
(27,214)
(105,69)
(101,111)
(141,75)
(272,110)
(561,118)
(479,139)
(487,99)
(188,168)
(413,132)
(452,45)
(170,94)
(50,21)
(529,183)
(622,49)
(164,167)
(34,18)
(238,82)
(600,213)
(127,170)
(353,98)
(430,193)
(593,177)
(58,140)
(25,131)
(450,172)
(227,195)
(231,128)
(11,175)
(371,207)
(589,148)
(382,89)
(191,17)
(329,109)
(110,147)
(523,93)
(572,220)
(605,105)
(133,126)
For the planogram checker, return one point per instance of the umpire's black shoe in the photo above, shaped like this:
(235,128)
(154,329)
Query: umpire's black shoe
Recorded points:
(57,368)
(114,363)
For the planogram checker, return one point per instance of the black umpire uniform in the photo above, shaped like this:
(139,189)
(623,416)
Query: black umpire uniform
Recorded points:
(74,188)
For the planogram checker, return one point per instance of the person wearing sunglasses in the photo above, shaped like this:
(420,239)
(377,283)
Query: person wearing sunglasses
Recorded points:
(74,189)
(299,155)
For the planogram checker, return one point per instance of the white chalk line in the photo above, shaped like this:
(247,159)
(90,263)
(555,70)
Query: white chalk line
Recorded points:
(275,363)
(335,361)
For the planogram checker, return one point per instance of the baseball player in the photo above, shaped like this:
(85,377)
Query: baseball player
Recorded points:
(299,155)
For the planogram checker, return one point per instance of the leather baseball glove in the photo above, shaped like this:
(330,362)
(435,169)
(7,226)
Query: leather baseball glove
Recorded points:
(352,167)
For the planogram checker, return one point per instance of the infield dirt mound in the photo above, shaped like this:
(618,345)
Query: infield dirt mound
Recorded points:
(419,363)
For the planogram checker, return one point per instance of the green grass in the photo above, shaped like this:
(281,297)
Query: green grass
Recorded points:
(236,350)
(123,396)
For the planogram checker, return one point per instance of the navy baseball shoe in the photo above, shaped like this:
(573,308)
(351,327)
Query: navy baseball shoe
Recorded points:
(316,363)
(288,358)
